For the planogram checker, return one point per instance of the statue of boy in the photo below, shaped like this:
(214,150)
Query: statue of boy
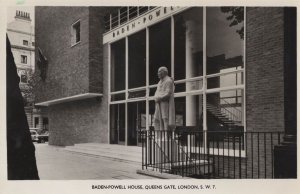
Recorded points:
(164,116)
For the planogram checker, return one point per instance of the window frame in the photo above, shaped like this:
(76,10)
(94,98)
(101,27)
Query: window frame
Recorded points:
(24,59)
(74,33)
(25,42)
(202,91)
(23,72)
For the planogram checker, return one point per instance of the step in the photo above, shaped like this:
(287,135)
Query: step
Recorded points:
(219,115)
(110,147)
(192,168)
(160,175)
(117,153)
(190,163)
(173,153)
(184,168)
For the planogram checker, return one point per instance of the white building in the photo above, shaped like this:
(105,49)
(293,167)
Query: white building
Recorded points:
(21,35)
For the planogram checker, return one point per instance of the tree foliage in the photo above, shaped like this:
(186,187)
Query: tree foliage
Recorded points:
(28,89)
(236,16)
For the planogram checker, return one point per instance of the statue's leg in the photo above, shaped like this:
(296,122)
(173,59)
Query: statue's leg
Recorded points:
(166,122)
(166,143)
(157,130)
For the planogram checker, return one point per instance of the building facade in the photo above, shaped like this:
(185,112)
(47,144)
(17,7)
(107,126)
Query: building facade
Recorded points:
(21,35)
(228,66)
(74,89)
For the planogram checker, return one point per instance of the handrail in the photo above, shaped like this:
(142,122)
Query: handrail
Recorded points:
(237,110)
(225,73)
(192,79)
(228,113)
(128,13)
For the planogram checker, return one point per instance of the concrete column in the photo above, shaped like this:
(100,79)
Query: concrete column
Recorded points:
(190,70)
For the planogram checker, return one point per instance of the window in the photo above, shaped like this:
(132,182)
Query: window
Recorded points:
(45,124)
(188,51)
(25,42)
(33,44)
(159,49)
(118,65)
(206,60)
(36,122)
(225,69)
(137,60)
(24,59)
(23,76)
(75,32)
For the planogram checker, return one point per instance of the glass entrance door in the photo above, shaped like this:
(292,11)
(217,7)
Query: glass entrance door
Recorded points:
(117,124)
(136,121)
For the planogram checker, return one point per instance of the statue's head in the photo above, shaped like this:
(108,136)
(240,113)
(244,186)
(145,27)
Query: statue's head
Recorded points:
(162,72)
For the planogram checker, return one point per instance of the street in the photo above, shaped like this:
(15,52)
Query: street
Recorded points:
(54,163)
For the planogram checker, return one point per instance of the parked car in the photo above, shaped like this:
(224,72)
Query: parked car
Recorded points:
(42,138)
(34,135)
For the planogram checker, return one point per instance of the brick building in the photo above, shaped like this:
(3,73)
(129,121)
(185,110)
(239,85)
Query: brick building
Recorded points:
(101,77)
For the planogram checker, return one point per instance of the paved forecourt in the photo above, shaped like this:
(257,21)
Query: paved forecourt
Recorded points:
(59,163)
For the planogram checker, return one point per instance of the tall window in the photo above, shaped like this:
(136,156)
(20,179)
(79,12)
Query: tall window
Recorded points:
(188,66)
(203,49)
(159,49)
(75,32)
(24,59)
(45,123)
(118,72)
(225,64)
(137,64)
(137,60)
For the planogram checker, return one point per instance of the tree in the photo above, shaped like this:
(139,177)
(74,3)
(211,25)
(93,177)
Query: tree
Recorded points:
(236,16)
(28,89)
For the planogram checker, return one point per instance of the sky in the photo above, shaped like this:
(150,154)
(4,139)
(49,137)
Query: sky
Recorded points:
(11,12)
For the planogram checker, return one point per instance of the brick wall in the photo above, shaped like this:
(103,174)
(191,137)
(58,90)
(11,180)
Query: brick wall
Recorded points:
(264,69)
(77,122)
(71,71)
(81,121)
(96,30)
(68,71)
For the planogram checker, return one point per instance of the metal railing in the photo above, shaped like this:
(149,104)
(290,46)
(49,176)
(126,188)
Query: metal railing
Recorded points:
(233,113)
(227,114)
(210,154)
(123,15)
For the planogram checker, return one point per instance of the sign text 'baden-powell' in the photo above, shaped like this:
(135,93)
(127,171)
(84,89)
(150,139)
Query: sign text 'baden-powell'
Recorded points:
(141,22)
